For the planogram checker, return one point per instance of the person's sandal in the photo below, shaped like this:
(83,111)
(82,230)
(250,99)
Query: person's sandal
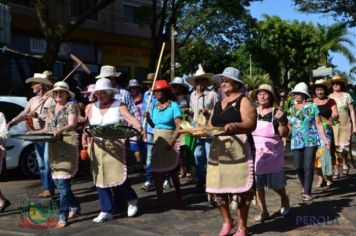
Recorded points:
(74,214)
(307,198)
(61,224)
(261,218)
(6,204)
(226,228)
(345,171)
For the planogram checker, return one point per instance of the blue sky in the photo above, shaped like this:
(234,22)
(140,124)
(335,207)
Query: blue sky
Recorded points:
(286,10)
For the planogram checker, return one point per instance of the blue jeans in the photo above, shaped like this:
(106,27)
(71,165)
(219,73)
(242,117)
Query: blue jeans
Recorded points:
(201,155)
(67,200)
(304,164)
(43,165)
(149,146)
(109,196)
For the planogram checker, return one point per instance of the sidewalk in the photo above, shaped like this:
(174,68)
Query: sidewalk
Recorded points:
(332,212)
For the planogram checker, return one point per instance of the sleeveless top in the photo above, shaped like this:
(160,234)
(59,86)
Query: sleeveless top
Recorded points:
(111,116)
(325,109)
(231,113)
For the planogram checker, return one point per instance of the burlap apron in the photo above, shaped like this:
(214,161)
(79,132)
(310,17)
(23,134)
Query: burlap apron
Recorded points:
(63,156)
(108,163)
(230,165)
(163,159)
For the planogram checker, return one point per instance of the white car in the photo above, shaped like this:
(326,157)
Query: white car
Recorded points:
(19,154)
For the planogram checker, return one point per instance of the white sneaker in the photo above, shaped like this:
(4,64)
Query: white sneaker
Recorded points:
(102,217)
(148,186)
(166,184)
(132,208)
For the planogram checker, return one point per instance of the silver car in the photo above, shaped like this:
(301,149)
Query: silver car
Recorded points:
(19,154)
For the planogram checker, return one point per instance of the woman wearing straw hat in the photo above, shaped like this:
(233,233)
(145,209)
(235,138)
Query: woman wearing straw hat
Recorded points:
(229,177)
(269,163)
(35,114)
(180,93)
(328,114)
(63,155)
(4,203)
(306,130)
(346,123)
(165,119)
(107,156)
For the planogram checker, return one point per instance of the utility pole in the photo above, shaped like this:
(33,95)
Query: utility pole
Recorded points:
(173,68)
(250,65)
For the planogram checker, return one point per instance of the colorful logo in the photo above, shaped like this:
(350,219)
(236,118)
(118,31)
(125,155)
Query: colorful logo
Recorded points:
(38,213)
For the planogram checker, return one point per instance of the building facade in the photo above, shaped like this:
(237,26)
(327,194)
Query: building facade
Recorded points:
(109,37)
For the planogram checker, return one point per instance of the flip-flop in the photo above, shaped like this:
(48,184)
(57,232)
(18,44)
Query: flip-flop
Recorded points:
(7,203)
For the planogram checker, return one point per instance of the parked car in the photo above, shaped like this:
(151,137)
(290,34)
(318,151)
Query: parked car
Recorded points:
(19,154)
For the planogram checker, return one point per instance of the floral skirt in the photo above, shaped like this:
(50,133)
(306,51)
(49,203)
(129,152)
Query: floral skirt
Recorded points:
(236,200)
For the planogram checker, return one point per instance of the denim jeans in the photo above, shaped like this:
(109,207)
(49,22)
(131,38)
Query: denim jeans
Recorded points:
(201,155)
(304,164)
(108,197)
(149,146)
(67,200)
(43,165)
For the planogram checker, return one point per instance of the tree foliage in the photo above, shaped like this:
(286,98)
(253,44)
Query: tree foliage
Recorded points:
(344,10)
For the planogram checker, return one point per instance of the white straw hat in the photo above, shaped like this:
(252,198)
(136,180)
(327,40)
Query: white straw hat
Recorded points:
(179,81)
(301,88)
(265,87)
(200,73)
(42,78)
(133,83)
(104,84)
(60,85)
(108,71)
(231,73)
(322,82)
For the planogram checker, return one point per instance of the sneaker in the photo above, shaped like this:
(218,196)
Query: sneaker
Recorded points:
(132,208)
(148,186)
(102,217)
(227,227)
(167,184)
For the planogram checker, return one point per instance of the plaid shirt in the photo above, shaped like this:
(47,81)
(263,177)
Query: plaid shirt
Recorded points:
(125,97)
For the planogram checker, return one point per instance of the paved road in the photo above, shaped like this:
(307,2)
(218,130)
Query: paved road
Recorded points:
(332,212)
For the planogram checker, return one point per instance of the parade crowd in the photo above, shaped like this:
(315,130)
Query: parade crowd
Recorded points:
(233,166)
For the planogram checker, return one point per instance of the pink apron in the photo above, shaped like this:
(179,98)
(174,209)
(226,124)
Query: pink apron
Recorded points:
(269,149)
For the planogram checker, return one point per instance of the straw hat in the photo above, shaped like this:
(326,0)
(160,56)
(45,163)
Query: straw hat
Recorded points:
(338,78)
(200,73)
(264,87)
(133,83)
(301,88)
(231,73)
(150,77)
(104,84)
(60,85)
(161,85)
(108,71)
(42,78)
(179,81)
(322,82)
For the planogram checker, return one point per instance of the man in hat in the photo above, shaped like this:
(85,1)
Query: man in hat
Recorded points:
(35,114)
(123,95)
(202,102)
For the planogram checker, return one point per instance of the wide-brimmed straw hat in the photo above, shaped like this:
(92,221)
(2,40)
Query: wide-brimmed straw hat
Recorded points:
(43,78)
(322,82)
(200,73)
(104,84)
(264,87)
(161,85)
(338,78)
(179,81)
(230,73)
(301,88)
(108,71)
(60,85)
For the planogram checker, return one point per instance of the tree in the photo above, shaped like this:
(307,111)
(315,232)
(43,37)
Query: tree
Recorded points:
(332,39)
(283,48)
(56,33)
(256,80)
(343,10)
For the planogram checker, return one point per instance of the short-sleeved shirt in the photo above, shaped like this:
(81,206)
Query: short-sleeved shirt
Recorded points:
(164,119)
(60,119)
(342,103)
(303,126)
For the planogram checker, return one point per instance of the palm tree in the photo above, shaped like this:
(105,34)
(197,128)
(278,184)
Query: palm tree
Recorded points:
(256,80)
(333,39)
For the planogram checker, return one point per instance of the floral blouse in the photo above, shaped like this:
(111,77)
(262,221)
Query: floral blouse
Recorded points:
(342,103)
(60,119)
(304,130)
